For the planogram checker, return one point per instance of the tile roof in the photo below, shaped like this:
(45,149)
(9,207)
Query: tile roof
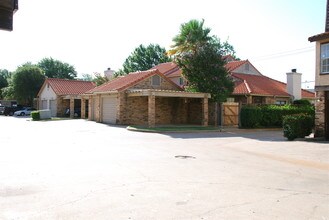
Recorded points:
(262,85)
(169,69)
(68,87)
(230,66)
(124,82)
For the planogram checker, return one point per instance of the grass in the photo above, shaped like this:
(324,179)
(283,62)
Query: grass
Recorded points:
(173,128)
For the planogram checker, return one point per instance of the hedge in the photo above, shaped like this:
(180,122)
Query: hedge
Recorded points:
(270,115)
(35,115)
(297,126)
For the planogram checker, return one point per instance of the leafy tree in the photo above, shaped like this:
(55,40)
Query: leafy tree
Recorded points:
(27,81)
(200,58)
(144,58)
(8,92)
(4,77)
(57,69)
(99,79)
(205,72)
(87,77)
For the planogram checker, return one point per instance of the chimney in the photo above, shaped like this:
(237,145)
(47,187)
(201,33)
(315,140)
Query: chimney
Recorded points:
(108,73)
(294,84)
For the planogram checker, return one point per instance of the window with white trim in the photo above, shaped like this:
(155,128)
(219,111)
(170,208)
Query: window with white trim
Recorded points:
(325,58)
(156,80)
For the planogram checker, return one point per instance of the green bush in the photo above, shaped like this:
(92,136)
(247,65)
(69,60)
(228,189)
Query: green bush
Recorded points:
(35,115)
(270,115)
(297,126)
(303,102)
(250,116)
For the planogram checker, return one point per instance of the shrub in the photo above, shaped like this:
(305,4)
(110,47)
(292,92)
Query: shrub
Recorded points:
(270,115)
(297,126)
(35,115)
(250,116)
(302,102)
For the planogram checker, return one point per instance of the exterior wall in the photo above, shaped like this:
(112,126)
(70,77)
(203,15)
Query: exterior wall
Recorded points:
(320,115)
(46,95)
(260,99)
(147,84)
(213,116)
(135,111)
(170,110)
(320,80)
(242,69)
(195,111)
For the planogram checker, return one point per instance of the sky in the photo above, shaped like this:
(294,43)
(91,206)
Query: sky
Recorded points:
(96,35)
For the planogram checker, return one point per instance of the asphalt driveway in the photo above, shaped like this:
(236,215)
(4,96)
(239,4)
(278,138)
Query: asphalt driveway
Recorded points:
(78,169)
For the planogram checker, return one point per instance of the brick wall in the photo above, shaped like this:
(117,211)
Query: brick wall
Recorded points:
(195,111)
(320,114)
(146,84)
(136,111)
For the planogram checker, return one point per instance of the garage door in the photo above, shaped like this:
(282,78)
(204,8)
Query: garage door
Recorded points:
(52,107)
(109,110)
(44,104)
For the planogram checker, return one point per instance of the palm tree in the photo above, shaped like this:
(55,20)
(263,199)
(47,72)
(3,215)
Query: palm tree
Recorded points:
(191,36)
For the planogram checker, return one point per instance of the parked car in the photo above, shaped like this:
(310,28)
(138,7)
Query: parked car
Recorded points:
(2,110)
(24,111)
(11,110)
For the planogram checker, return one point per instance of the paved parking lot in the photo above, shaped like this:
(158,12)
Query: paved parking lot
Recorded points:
(78,169)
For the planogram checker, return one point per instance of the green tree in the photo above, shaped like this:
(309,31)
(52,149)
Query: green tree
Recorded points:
(99,79)
(192,35)
(4,77)
(205,72)
(27,81)
(199,55)
(57,69)
(144,58)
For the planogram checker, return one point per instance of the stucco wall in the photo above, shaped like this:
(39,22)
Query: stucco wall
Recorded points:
(47,94)
(242,69)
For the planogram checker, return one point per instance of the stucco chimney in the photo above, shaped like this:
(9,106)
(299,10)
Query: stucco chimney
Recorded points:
(109,73)
(294,84)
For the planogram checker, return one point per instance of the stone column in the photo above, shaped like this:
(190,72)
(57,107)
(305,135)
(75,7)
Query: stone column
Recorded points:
(71,107)
(83,108)
(151,110)
(205,111)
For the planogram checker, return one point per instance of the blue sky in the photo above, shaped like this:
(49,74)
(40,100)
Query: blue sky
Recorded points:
(95,35)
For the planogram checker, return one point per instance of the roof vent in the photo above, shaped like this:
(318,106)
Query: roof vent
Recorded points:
(294,70)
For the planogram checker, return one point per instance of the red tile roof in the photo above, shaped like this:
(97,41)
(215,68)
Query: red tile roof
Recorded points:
(68,87)
(262,85)
(124,82)
(230,66)
(169,69)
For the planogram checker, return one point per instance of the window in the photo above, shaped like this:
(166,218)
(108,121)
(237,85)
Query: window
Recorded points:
(325,58)
(181,81)
(280,102)
(156,80)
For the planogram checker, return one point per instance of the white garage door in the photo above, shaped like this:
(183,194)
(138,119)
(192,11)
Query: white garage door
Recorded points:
(52,107)
(109,110)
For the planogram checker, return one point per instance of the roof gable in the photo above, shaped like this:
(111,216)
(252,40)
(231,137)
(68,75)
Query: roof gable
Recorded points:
(67,87)
(262,85)
(242,66)
(125,82)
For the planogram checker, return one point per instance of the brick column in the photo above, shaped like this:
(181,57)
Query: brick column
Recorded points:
(83,107)
(121,108)
(151,110)
(205,111)
(71,107)
(249,99)
(90,107)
